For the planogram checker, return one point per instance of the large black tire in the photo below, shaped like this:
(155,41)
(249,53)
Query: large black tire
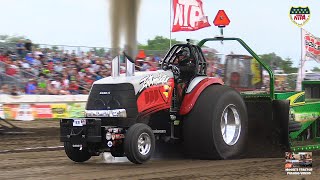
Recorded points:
(75,154)
(135,133)
(202,126)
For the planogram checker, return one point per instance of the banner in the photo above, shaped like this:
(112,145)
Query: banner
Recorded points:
(10,111)
(256,71)
(188,15)
(311,46)
(28,112)
(24,113)
(1,112)
(42,111)
(76,110)
(59,110)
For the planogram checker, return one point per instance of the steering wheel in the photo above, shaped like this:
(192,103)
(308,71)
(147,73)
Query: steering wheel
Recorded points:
(175,70)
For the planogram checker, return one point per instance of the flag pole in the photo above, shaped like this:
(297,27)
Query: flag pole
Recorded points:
(170,21)
(301,60)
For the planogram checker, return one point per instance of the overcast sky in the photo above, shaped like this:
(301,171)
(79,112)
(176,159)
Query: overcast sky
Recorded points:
(264,25)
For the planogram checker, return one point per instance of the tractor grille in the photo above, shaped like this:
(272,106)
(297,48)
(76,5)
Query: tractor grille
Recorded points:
(113,96)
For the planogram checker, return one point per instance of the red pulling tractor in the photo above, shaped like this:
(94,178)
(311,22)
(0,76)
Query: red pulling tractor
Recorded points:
(127,113)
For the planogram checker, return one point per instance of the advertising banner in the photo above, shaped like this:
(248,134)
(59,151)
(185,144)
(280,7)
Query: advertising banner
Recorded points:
(43,111)
(10,110)
(1,112)
(27,112)
(24,113)
(311,46)
(76,110)
(59,110)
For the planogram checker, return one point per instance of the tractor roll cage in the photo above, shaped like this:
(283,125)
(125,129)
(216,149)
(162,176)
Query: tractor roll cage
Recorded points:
(253,54)
(195,53)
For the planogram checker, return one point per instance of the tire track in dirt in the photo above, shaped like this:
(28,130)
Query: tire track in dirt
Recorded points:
(55,165)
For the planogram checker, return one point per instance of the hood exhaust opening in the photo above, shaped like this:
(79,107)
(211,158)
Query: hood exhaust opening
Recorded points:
(130,65)
(130,68)
(116,67)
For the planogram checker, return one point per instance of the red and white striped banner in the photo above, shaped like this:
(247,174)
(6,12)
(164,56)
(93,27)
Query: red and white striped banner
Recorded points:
(311,46)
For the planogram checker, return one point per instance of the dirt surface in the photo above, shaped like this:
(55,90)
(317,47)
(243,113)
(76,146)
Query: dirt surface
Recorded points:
(30,134)
(55,164)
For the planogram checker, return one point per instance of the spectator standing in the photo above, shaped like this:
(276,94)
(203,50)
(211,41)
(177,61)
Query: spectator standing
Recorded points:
(11,69)
(56,57)
(73,87)
(20,48)
(58,67)
(73,54)
(29,58)
(56,83)
(31,87)
(25,64)
(3,57)
(15,91)
(28,45)
(42,84)
(37,61)
(4,89)
(65,81)
(87,60)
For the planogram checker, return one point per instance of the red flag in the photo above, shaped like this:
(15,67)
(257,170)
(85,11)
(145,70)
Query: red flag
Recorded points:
(188,15)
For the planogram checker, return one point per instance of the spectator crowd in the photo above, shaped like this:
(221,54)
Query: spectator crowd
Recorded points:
(56,72)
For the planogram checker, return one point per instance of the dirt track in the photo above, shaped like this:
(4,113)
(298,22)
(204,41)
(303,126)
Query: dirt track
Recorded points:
(55,164)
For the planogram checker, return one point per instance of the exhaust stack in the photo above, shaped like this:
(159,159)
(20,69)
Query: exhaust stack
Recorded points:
(130,68)
(116,67)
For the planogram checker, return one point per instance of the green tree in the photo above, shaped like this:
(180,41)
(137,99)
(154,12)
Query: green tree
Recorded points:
(271,59)
(99,52)
(158,43)
(11,39)
(55,48)
(286,65)
(316,69)
(275,62)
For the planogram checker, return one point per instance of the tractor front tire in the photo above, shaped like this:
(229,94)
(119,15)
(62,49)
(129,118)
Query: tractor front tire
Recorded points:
(139,143)
(75,154)
(217,126)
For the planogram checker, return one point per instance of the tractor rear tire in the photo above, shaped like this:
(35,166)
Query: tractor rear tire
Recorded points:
(75,154)
(218,110)
(139,143)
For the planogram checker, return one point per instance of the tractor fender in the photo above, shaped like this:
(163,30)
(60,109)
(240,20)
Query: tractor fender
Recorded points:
(196,86)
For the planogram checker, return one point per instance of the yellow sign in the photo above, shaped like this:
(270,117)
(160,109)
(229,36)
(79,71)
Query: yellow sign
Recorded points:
(255,69)
(59,110)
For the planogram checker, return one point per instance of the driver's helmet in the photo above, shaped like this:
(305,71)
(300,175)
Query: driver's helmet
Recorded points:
(183,54)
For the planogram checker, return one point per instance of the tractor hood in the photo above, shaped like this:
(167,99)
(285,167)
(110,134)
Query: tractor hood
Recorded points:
(140,80)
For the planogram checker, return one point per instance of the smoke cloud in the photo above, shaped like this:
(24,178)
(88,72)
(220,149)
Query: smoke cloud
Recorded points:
(124,20)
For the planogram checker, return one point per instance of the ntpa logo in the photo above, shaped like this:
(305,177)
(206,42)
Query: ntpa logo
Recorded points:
(299,15)
(188,15)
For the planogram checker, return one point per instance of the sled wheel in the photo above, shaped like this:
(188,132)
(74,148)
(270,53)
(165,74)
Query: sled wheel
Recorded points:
(75,154)
(216,127)
(139,143)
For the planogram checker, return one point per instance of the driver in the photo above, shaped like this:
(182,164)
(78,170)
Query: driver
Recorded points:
(186,64)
